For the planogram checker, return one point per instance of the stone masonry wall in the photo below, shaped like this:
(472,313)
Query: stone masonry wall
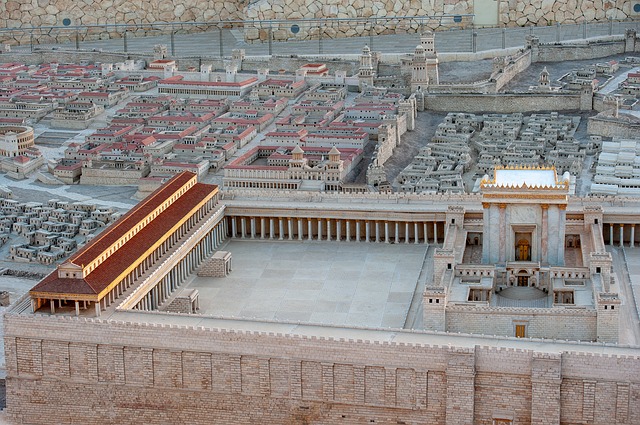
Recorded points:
(28,13)
(154,374)
(502,103)
(213,267)
(577,325)
(606,126)
(511,13)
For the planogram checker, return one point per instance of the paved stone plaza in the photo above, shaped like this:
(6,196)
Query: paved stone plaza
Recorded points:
(345,284)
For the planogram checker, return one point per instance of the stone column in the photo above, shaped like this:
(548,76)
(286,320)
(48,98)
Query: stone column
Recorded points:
(328,229)
(233,227)
(253,227)
(633,235)
(280,228)
(386,232)
(367,226)
(544,238)
(290,227)
(358,231)
(406,232)
(319,229)
(611,234)
(262,226)
(243,227)
(309,230)
(348,229)
(300,229)
(377,229)
(621,234)
(397,232)
(562,225)
(271,228)
(435,232)
(503,234)
(546,370)
(425,229)
(338,230)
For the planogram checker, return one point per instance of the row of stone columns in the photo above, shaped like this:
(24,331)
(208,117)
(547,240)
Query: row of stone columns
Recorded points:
(181,271)
(621,234)
(291,228)
(147,263)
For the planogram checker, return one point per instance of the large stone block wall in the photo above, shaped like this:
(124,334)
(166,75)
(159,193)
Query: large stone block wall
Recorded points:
(575,51)
(606,126)
(511,13)
(502,103)
(28,13)
(136,373)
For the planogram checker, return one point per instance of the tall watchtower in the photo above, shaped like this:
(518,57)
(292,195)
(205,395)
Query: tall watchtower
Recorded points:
(366,72)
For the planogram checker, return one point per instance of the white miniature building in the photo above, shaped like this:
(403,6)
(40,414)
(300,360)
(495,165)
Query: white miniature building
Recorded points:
(531,271)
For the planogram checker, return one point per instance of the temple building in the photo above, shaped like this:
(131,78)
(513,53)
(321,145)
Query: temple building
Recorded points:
(534,268)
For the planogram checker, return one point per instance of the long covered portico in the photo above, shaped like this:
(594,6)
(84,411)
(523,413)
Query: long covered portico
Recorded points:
(388,230)
(159,284)
(135,246)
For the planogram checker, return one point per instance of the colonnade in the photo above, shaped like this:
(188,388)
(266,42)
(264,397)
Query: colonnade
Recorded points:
(338,229)
(145,265)
(620,234)
(187,265)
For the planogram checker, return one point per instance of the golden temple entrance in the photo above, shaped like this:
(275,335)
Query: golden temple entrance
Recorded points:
(523,250)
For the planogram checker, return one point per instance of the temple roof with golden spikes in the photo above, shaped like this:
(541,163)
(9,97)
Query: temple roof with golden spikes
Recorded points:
(525,177)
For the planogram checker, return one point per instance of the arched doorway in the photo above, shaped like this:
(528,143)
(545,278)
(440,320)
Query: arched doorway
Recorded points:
(522,278)
(523,250)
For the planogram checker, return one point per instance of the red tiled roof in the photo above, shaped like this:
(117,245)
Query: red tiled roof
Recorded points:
(122,258)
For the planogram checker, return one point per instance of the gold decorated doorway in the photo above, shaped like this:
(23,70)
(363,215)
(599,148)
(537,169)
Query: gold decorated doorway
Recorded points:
(523,250)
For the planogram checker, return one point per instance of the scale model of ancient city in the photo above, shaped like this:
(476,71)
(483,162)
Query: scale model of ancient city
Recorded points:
(399,220)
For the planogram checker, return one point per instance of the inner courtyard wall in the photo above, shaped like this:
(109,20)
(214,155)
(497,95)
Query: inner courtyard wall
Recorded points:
(577,325)
(128,372)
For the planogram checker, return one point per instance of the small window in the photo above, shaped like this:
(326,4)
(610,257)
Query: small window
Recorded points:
(448,266)
(595,221)
(437,300)
(598,270)
(453,221)
(430,300)
(613,307)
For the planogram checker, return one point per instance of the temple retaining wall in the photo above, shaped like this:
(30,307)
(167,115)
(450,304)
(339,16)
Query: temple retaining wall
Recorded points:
(128,372)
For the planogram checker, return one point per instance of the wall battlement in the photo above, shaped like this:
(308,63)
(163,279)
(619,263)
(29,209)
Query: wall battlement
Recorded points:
(271,375)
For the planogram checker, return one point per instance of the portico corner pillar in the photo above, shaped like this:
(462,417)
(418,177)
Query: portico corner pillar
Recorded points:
(546,377)
(544,243)
(460,371)
(503,233)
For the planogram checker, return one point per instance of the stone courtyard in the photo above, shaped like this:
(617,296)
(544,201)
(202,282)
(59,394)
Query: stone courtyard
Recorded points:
(346,284)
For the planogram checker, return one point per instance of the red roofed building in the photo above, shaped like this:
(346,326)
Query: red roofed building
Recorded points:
(206,89)
(103,97)
(181,214)
(277,167)
(633,78)
(315,69)
(281,88)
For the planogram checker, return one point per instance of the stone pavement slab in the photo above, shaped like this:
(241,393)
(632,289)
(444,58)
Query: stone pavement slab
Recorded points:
(315,282)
